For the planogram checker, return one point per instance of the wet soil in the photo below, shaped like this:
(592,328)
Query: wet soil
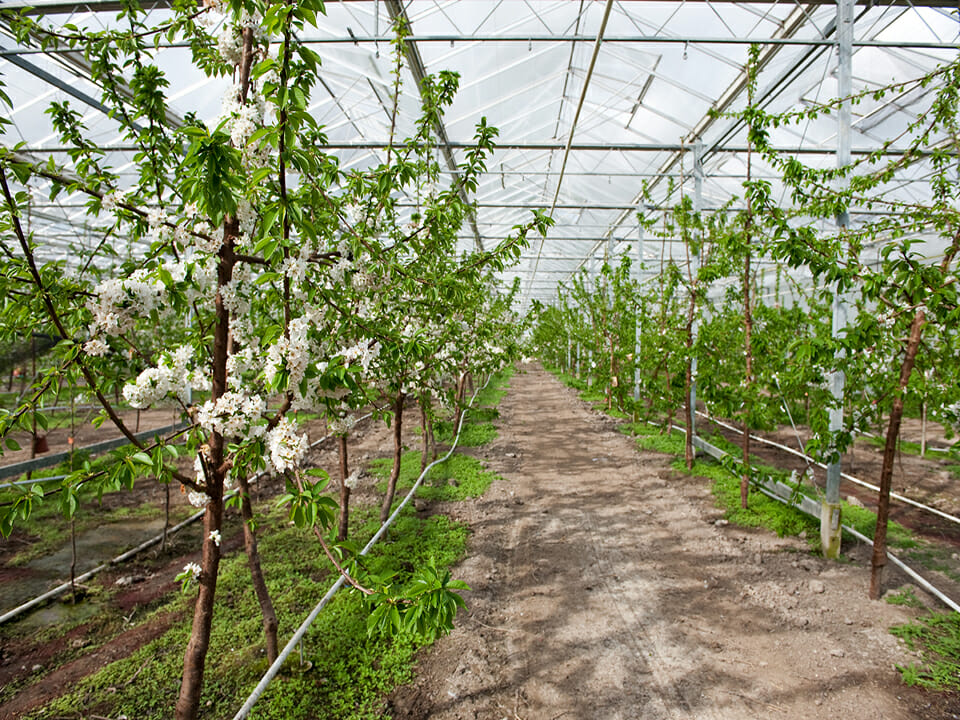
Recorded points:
(40,663)
(605,585)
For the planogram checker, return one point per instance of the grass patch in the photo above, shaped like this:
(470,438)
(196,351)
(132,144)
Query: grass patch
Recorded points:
(937,638)
(458,478)
(473,434)
(761,511)
(652,437)
(905,597)
(496,389)
(350,672)
(864,521)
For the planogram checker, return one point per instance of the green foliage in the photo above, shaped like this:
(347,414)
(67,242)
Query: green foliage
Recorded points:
(494,392)
(864,521)
(761,511)
(906,598)
(458,478)
(350,671)
(650,437)
(474,434)
(937,638)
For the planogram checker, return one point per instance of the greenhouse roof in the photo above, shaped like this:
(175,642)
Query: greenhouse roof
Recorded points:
(595,102)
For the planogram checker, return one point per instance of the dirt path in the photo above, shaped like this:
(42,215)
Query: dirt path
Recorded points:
(604,587)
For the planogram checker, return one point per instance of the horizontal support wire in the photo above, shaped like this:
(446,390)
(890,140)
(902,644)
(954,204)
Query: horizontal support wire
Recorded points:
(561,39)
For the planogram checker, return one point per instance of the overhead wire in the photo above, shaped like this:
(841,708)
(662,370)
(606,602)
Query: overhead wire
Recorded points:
(573,127)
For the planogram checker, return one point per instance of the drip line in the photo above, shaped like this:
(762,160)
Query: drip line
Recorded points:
(298,636)
(123,557)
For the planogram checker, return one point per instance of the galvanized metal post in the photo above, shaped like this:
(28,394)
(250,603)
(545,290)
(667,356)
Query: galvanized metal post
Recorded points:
(694,269)
(638,326)
(830,533)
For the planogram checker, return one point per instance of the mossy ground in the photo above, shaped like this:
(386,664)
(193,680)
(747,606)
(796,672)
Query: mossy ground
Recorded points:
(345,673)
(350,672)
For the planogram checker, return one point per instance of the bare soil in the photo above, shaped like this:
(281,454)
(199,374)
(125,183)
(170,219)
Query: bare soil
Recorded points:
(603,586)
(928,480)
(46,664)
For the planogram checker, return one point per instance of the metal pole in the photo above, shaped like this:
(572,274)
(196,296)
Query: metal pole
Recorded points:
(830,532)
(638,334)
(695,268)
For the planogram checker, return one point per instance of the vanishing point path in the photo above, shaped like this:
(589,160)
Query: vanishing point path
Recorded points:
(604,587)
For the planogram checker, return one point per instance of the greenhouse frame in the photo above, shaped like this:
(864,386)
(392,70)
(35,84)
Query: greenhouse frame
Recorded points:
(244,242)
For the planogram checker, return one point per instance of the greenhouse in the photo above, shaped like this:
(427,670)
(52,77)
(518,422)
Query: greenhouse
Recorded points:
(479,359)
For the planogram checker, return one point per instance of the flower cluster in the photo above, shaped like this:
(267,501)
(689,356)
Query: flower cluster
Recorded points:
(285,446)
(292,352)
(119,300)
(353,479)
(364,351)
(233,415)
(242,119)
(112,200)
(172,376)
(343,425)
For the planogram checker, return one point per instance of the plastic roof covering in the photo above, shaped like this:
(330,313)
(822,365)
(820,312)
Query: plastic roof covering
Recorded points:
(523,64)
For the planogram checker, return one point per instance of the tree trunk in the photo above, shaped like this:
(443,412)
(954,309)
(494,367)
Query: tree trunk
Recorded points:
(889,452)
(267,612)
(344,525)
(196,654)
(461,390)
(397,455)
(195,657)
(433,439)
(688,382)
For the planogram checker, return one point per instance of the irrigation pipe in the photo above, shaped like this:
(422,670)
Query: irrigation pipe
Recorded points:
(305,625)
(60,589)
(845,476)
(123,557)
(926,585)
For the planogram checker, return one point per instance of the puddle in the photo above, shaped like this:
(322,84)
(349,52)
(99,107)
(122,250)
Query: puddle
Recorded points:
(94,547)
(60,613)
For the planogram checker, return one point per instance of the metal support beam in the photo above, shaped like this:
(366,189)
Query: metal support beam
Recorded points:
(638,324)
(694,269)
(419,72)
(830,535)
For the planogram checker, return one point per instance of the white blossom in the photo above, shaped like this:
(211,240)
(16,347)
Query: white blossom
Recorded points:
(110,201)
(172,376)
(215,536)
(233,415)
(96,348)
(353,479)
(285,446)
